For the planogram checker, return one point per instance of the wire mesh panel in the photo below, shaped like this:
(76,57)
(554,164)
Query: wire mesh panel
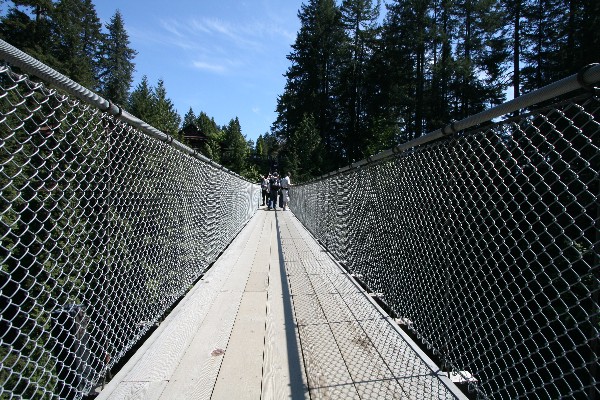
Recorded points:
(102,229)
(486,245)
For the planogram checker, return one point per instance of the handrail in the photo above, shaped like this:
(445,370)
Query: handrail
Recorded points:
(587,76)
(19,59)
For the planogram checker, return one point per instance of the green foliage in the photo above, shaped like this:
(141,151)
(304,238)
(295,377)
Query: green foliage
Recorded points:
(76,31)
(141,100)
(430,62)
(164,116)
(314,79)
(67,35)
(359,18)
(189,118)
(214,137)
(50,246)
(305,151)
(27,25)
(266,152)
(235,148)
(116,64)
(154,107)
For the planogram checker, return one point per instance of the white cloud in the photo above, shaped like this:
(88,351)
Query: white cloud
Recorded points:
(218,68)
(172,27)
(222,46)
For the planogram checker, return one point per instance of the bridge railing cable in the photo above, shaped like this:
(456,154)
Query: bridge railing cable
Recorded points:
(483,241)
(105,222)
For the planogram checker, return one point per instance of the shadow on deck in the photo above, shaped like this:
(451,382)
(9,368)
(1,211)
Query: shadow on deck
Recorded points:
(274,318)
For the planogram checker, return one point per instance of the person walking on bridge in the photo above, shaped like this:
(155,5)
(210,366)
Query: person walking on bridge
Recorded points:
(264,186)
(273,191)
(285,190)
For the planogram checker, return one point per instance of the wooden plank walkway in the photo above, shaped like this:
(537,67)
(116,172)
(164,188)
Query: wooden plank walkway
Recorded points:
(275,318)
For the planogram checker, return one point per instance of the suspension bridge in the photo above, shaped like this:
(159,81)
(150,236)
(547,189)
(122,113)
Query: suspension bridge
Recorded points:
(462,264)
(276,317)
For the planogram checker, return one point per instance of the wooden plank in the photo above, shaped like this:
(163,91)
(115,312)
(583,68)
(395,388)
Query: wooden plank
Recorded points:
(164,349)
(197,372)
(322,266)
(343,284)
(283,366)
(418,378)
(308,310)
(259,275)
(258,281)
(379,361)
(318,254)
(235,336)
(240,375)
(334,307)
(289,252)
(285,231)
(327,373)
(294,267)
(159,356)
(245,261)
(364,362)
(300,284)
(361,307)
(321,284)
(241,369)
(384,389)
(138,390)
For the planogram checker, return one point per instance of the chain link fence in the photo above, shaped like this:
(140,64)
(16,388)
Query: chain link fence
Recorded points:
(484,244)
(103,228)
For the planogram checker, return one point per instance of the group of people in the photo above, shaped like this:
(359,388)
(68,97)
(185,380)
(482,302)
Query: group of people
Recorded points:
(275,189)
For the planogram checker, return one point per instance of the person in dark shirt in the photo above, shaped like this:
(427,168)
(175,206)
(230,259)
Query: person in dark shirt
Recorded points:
(273,191)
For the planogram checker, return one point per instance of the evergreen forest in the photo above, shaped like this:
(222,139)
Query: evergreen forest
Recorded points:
(363,75)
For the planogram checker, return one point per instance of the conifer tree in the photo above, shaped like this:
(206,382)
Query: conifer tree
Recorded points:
(513,31)
(541,34)
(559,38)
(77,37)
(406,38)
(235,147)
(141,100)
(308,156)
(479,56)
(27,26)
(189,118)
(267,152)
(359,18)
(215,137)
(164,116)
(444,26)
(312,79)
(583,34)
(116,64)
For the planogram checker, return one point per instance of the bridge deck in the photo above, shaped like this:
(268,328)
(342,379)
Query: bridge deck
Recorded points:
(276,317)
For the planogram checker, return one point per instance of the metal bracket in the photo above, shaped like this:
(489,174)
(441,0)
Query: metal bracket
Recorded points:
(581,79)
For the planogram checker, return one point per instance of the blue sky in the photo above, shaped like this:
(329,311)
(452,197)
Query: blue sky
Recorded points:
(224,57)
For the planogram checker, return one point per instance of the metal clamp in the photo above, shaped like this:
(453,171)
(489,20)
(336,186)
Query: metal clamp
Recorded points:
(452,128)
(581,79)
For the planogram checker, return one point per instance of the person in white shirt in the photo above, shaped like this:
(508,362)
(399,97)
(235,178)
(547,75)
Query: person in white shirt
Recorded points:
(285,190)
(264,186)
